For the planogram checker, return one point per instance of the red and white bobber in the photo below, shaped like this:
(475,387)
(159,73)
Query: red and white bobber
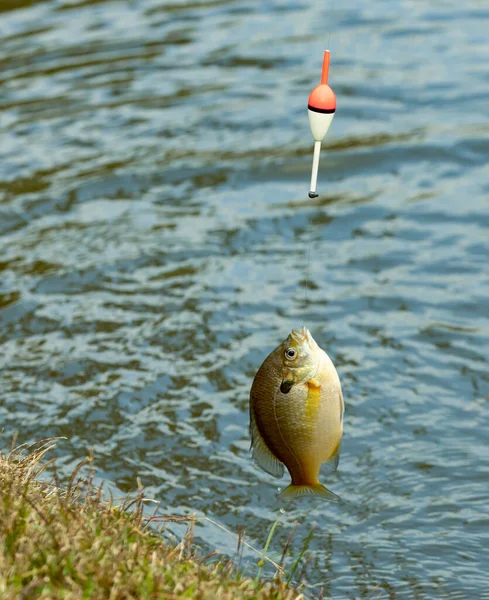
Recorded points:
(320,108)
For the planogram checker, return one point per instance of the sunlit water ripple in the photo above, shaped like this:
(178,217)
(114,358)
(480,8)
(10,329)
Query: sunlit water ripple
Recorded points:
(154,224)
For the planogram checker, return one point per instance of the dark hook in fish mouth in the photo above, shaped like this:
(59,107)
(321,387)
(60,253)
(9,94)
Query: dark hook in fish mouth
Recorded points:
(286,386)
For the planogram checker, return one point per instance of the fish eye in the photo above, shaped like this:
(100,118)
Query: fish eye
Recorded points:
(291,353)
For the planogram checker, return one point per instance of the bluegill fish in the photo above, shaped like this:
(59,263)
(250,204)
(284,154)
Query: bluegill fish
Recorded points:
(296,414)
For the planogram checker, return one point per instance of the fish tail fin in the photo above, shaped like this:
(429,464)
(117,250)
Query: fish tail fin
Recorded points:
(296,491)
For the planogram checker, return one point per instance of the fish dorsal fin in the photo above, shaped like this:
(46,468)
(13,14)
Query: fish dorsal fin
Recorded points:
(261,454)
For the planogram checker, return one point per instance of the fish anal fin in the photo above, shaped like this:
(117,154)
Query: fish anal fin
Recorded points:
(262,455)
(334,459)
(297,491)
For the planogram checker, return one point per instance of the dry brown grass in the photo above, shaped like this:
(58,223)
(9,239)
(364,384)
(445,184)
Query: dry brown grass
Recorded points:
(72,544)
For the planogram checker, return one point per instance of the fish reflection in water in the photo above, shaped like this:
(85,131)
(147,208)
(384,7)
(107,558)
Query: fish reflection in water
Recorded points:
(296,414)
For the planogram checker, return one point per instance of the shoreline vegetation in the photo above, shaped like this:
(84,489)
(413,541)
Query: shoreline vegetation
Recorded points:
(74,544)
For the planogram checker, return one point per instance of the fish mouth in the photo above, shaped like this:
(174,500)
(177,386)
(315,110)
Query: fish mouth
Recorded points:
(286,386)
(300,335)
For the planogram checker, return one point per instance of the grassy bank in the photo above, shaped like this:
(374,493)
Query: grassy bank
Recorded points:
(70,544)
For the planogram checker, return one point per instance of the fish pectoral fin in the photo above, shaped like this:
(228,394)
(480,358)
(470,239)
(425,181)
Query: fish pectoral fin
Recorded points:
(296,491)
(262,455)
(342,406)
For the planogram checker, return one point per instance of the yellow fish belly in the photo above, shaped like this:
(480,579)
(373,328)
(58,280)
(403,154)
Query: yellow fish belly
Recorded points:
(302,429)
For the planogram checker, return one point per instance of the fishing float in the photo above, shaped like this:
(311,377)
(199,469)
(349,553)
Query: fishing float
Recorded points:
(321,108)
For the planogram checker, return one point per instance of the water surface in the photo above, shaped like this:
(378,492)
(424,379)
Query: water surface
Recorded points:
(154,224)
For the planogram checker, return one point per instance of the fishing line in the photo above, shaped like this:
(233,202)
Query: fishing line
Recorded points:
(308,263)
(331,9)
(309,238)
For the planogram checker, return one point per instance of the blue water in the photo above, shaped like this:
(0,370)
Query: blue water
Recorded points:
(154,227)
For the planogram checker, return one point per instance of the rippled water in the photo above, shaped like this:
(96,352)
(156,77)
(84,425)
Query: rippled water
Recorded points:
(154,223)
